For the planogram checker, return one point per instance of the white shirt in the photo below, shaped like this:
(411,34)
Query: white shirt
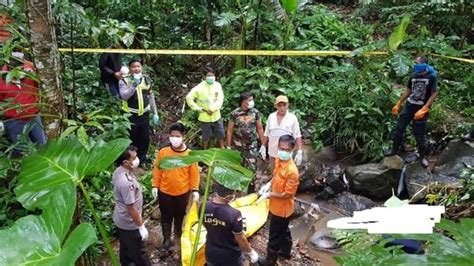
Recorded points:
(288,126)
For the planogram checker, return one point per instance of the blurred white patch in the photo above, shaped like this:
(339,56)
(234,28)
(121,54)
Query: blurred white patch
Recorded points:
(397,217)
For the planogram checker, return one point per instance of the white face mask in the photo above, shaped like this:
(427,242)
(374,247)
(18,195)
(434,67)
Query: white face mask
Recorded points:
(176,141)
(137,76)
(136,163)
(251,104)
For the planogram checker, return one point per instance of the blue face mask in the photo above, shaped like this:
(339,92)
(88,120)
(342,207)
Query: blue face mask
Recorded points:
(418,68)
(284,155)
(210,79)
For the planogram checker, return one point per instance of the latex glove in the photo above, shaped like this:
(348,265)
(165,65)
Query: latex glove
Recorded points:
(195,196)
(156,120)
(154,192)
(253,256)
(263,152)
(263,197)
(2,127)
(265,188)
(143,232)
(396,108)
(421,113)
(299,157)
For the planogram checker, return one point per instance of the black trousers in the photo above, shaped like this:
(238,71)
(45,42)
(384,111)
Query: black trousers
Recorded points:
(280,236)
(132,249)
(173,209)
(419,128)
(140,134)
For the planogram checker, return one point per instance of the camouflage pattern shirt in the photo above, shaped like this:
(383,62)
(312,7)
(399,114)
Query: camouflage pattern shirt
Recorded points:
(245,137)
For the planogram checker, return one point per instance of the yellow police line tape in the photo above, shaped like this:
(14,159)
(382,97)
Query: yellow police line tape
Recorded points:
(236,52)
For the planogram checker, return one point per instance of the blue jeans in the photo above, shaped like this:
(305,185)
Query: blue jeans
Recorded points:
(34,130)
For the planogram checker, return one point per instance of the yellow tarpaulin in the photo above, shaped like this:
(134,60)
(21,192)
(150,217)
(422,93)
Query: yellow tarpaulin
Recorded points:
(254,216)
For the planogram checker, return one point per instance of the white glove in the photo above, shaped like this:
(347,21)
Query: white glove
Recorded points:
(124,70)
(195,196)
(143,232)
(263,152)
(253,256)
(263,197)
(2,127)
(265,188)
(154,192)
(299,157)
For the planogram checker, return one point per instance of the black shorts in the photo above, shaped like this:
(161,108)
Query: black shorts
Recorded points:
(212,129)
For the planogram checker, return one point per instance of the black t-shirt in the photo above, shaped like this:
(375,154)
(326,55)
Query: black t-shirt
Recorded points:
(421,88)
(222,222)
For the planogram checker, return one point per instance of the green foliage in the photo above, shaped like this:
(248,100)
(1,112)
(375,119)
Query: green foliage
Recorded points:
(48,182)
(399,34)
(453,196)
(224,165)
(452,247)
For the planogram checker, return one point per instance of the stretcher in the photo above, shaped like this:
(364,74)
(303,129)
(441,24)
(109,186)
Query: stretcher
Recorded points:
(255,215)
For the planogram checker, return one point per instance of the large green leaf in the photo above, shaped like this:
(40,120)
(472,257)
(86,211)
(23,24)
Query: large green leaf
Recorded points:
(225,165)
(62,161)
(398,35)
(400,63)
(37,240)
(230,178)
(291,6)
(48,182)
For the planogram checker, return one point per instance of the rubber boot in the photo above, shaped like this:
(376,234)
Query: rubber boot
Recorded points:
(166,229)
(271,258)
(393,151)
(423,161)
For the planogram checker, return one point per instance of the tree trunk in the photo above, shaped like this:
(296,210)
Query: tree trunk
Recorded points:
(46,58)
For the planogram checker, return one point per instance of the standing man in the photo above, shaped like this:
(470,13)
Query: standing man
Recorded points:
(281,123)
(110,65)
(138,99)
(225,239)
(19,101)
(173,187)
(420,93)
(282,201)
(207,98)
(128,210)
(244,130)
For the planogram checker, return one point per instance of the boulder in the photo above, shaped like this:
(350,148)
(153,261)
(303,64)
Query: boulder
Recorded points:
(393,162)
(418,178)
(332,183)
(373,180)
(454,167)
(454,150)
(351,203)
(310,171)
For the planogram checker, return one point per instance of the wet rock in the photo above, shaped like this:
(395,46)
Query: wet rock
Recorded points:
(352,203)
(332,183)
(454,167)
(393,162)
(323,240)
(417,179)
(454,150)
(327,154)
(373,180)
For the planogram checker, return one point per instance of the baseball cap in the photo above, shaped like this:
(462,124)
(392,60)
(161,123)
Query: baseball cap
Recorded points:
(281,99)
